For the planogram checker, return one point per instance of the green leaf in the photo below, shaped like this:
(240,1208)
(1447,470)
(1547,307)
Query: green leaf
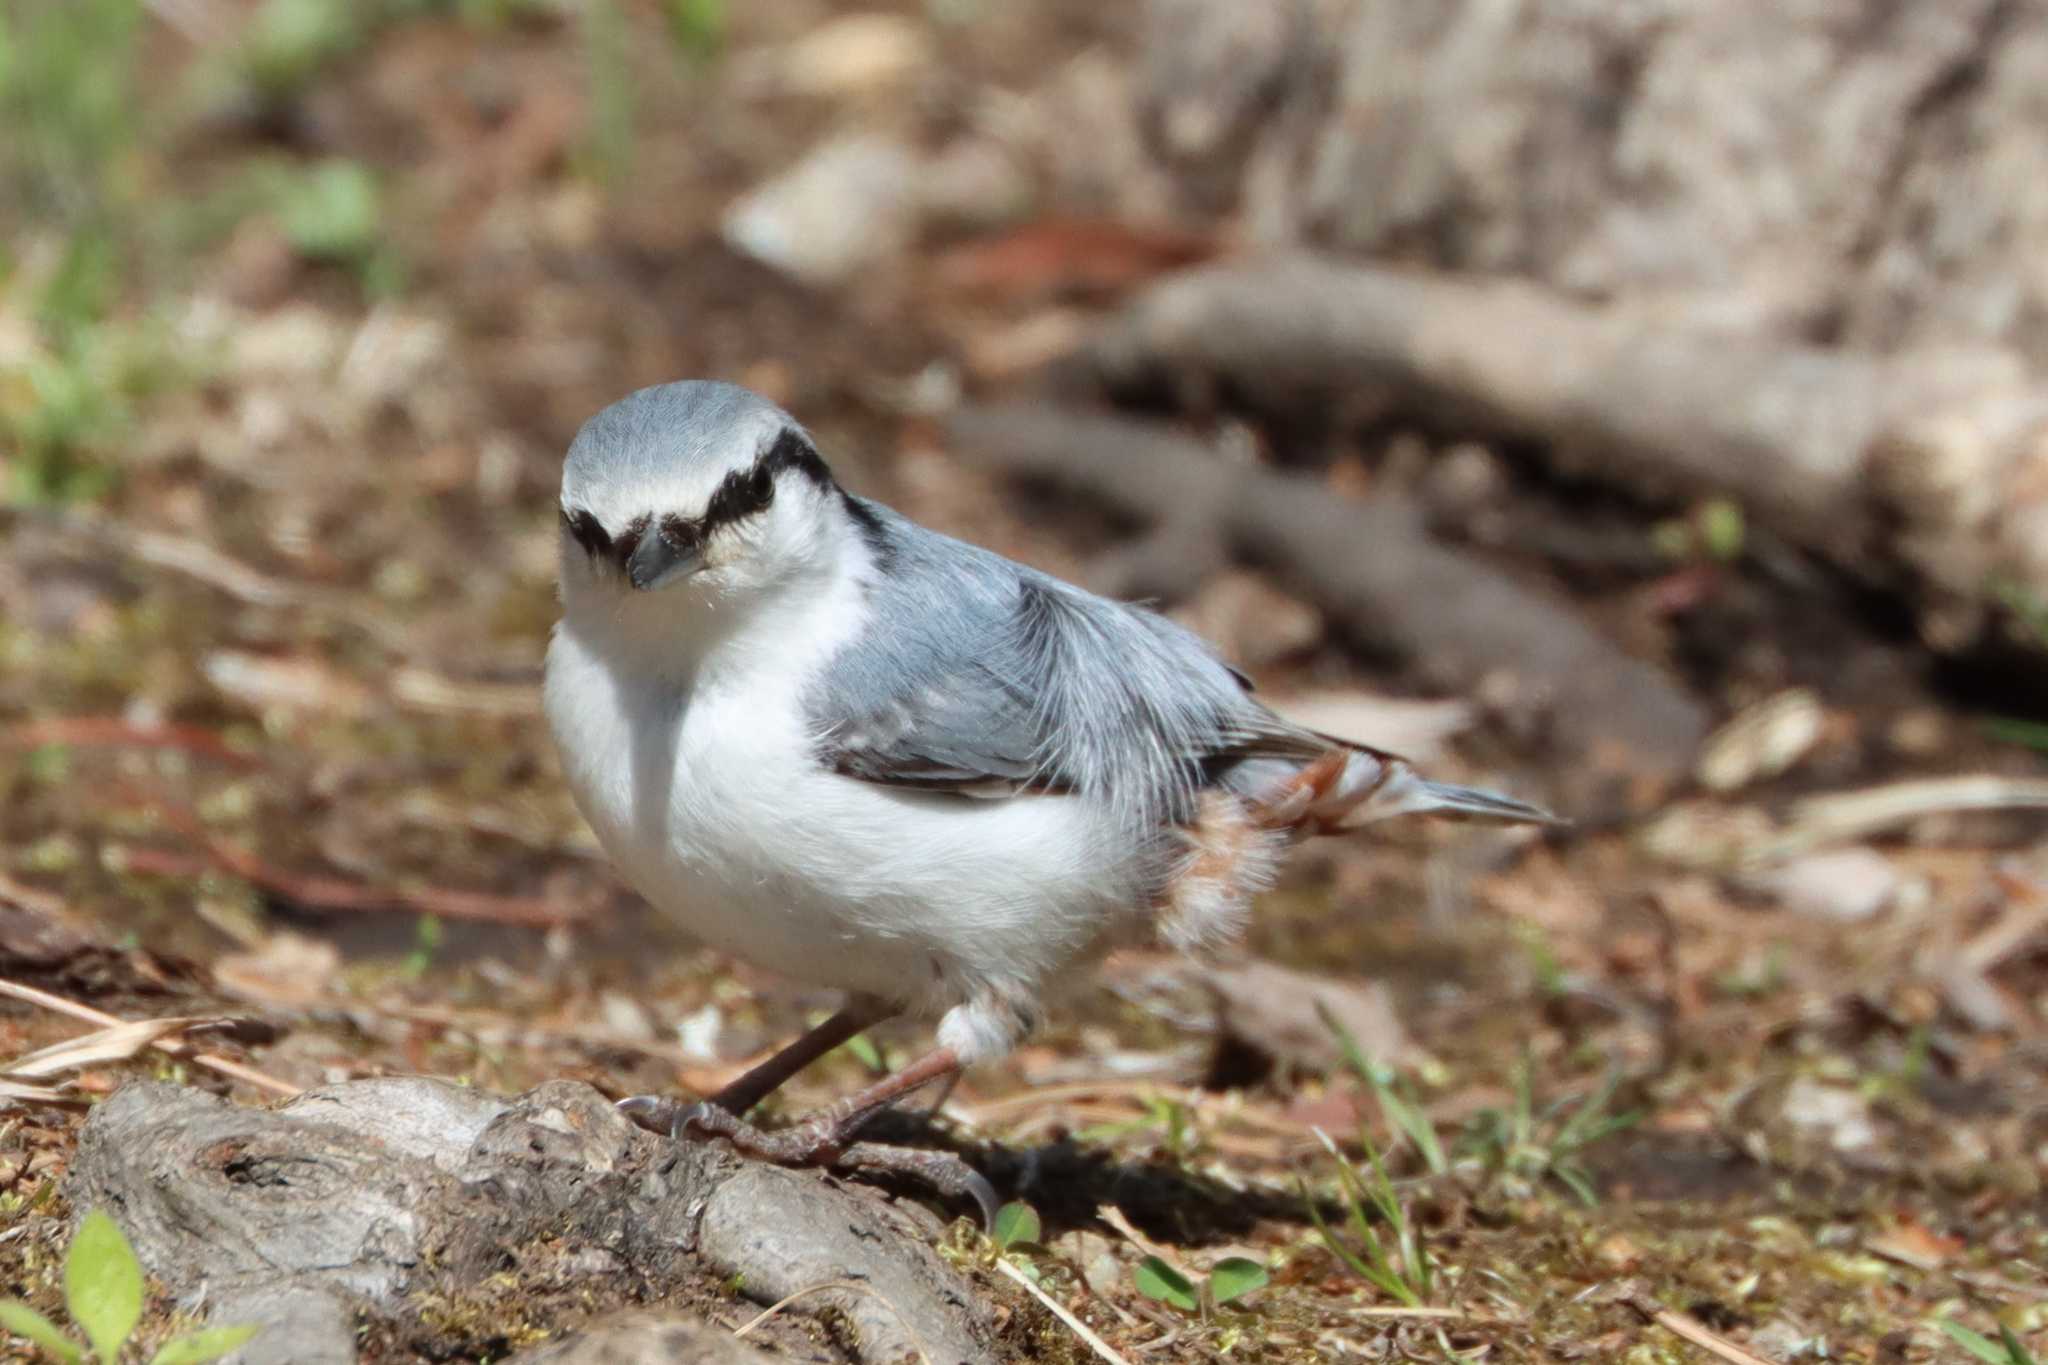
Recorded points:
(2014,1346)
(866,1053)
(1156,1279)
(1979,1346)
(103,1284)
(1017,1223)
(2031,733)
(332,212)
(1233,1277)
(24,1321)
(209,1343)
(698,27)
(1721,531)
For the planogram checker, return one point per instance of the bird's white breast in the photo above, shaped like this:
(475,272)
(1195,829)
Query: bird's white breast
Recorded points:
(704,788)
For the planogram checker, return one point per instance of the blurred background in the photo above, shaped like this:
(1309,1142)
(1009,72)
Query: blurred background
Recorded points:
(1640,408)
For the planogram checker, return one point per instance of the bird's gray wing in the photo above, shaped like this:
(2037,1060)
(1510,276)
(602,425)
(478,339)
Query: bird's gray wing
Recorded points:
(980,678)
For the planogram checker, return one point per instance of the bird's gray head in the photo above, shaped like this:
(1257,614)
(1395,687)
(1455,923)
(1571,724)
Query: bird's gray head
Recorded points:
(697,483)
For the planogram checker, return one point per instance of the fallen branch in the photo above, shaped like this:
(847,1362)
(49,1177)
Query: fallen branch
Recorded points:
(1693,1330)
(218,1065)
(1368,563)
(1929,463)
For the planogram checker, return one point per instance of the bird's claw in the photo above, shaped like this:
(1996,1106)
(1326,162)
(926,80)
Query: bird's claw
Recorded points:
(943,1171)
(657,1113)
(816,1144)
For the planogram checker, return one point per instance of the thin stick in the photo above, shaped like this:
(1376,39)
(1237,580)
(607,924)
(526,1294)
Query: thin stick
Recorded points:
(857,1287)
(1059,1310)
(1693,1330)
(112,732)
(220,1065)
(1116,1218)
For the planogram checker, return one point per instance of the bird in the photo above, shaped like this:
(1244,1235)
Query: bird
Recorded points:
(864,755)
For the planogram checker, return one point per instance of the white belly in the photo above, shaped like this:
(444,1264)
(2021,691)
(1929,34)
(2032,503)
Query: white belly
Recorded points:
(714,809)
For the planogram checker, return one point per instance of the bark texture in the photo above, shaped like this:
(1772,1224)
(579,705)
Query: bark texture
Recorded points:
(1788,252)
(424,1213)
(1924,470)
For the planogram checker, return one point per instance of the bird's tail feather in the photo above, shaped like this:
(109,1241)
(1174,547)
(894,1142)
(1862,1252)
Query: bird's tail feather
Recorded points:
(1447,798)
(1357,786)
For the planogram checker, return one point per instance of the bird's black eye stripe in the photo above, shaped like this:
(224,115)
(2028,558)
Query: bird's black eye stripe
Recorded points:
(742,493)
(745,492)
(792,451)
(588,533)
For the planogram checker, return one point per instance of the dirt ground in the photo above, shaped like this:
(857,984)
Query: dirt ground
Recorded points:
(278,573)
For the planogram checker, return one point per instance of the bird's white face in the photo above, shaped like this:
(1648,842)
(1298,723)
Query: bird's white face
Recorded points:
(646,543)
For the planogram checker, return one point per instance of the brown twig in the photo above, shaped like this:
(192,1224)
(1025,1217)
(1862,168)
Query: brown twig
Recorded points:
(1693,1330)
(219,1065)
(1060,1311)
(112,732)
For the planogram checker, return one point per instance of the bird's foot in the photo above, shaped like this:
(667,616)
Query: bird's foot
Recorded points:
(818,1142)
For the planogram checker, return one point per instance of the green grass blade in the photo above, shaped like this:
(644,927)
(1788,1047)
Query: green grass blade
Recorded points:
(24,1321)
(1981,1347)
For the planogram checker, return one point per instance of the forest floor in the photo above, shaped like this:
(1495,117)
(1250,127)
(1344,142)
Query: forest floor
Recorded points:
(278,579)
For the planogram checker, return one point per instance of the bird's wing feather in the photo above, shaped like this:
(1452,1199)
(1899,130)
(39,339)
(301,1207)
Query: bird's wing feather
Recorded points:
(983,678)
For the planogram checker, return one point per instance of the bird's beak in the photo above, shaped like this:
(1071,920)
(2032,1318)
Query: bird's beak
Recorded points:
(657,562)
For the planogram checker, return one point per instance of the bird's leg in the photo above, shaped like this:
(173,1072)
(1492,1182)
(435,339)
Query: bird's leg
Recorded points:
(666,1115)
(860,1014)
(826,1138)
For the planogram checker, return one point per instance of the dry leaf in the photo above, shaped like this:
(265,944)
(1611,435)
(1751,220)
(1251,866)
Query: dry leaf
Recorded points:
(116,1044)
(21,1092)
(1277,1010)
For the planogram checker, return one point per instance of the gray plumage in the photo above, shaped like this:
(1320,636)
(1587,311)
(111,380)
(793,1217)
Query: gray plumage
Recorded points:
(995,679)
(984,678)
(857,752)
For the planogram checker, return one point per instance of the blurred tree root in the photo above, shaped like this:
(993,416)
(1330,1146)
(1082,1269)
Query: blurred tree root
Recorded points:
(449,1222)
(1922,472)
(1369,563)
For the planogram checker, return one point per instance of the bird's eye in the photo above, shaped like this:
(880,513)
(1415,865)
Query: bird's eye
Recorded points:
(588,533)
(681,532)
(760,488)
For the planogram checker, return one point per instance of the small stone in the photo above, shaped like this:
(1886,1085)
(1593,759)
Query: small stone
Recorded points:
(853,56)
(848,204)
(1102,1269)
(1836,1111)
(626,1017)
(1618,1252)
(1845,884)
